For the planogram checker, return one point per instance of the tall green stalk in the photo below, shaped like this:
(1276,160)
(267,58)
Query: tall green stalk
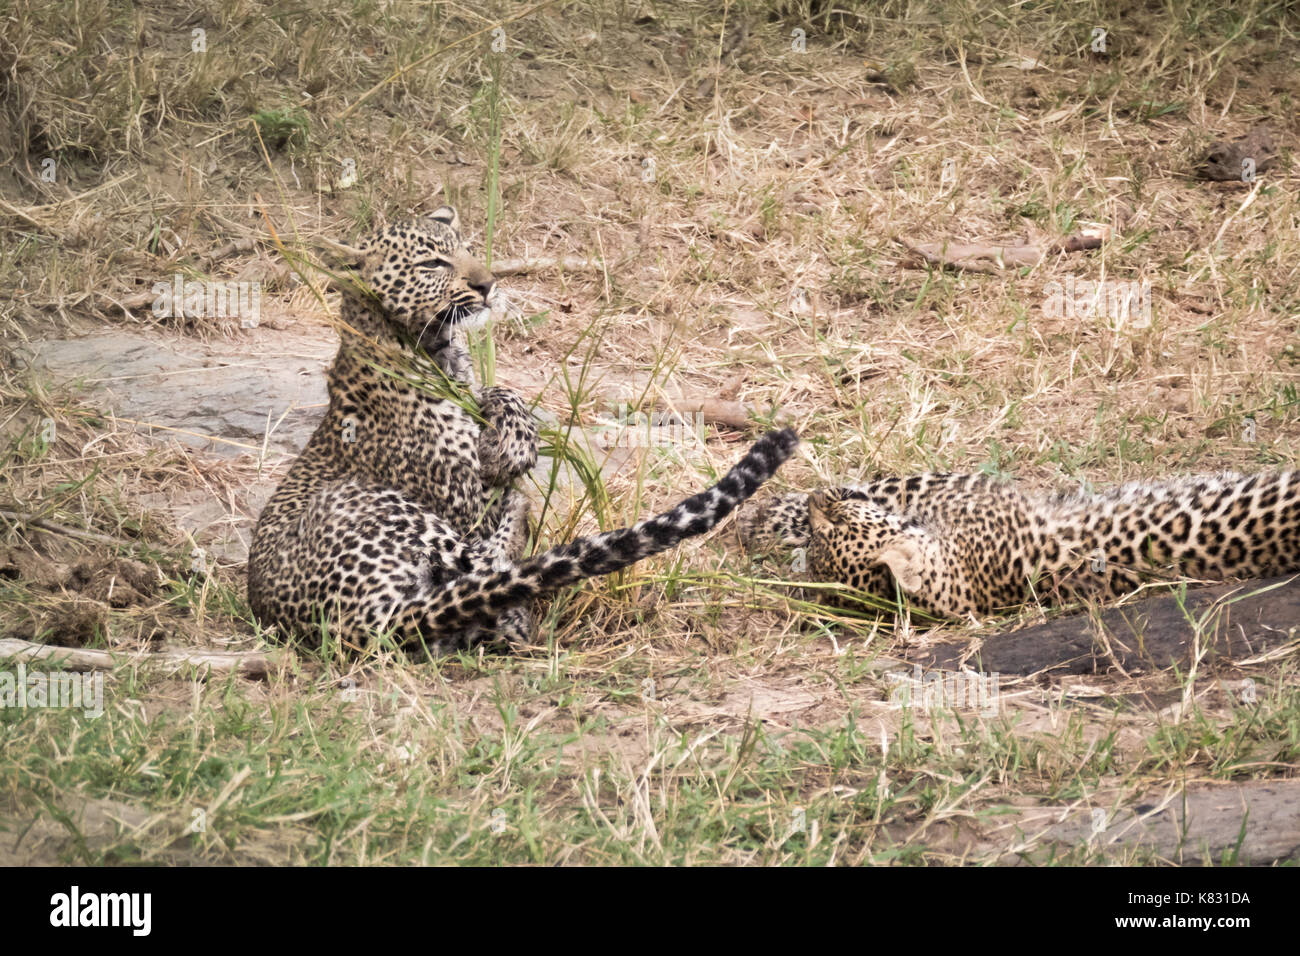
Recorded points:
(482,346)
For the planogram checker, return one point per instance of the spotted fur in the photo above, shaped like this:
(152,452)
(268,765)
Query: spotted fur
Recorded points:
(400,516)
(969,544)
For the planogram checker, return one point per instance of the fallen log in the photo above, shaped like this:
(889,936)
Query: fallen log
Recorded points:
(1239,620)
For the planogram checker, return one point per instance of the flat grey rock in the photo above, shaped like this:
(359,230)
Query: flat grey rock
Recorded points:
(261,394)
(228,398)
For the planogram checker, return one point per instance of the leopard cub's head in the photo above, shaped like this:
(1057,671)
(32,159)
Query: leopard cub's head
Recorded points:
(844,540)
(424,279)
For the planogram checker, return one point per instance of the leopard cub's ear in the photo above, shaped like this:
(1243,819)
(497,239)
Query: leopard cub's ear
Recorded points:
(821,510)
(448,215)
(905,560)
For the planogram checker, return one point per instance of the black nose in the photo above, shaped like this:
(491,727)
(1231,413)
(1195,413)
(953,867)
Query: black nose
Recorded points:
(484,288)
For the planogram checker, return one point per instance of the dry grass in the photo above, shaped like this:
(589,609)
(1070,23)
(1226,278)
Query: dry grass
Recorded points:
(746,203)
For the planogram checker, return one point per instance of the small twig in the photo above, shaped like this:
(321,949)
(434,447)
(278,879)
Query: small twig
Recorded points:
(1245,204)
(28,214)
(992,258)
(1076,244)
(22,214)
(350,253)
(229,249)
(515,267)
(186,431)
(713,411)
(251,664)
(45,524)
(137,301)
(939,260)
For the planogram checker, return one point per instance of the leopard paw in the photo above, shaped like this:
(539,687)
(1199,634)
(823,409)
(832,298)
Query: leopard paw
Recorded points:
(507,445)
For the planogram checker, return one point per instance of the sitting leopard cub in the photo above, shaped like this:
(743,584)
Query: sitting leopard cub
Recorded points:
(969,544)
(400,515)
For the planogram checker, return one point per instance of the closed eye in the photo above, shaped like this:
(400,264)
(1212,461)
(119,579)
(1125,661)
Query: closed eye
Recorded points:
(434,263)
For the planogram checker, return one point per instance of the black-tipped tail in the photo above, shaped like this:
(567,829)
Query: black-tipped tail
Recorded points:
(476,598)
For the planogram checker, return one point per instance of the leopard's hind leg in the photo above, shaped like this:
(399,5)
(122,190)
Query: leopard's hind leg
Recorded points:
(497,552)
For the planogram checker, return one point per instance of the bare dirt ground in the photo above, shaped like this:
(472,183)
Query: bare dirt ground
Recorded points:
(748,179)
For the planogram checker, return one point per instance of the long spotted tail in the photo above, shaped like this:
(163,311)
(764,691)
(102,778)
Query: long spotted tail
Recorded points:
(480,597)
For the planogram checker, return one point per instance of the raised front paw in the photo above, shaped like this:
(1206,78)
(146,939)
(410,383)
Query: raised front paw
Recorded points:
(507,444)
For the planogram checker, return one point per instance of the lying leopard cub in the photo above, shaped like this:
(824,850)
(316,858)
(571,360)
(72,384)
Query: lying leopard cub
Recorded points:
(400,516)
(970,544)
